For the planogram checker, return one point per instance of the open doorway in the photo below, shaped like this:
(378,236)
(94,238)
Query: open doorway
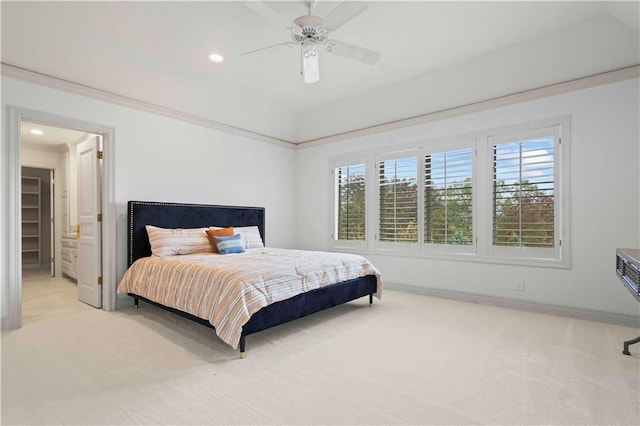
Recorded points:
(49,223)
(11,162)
(37,223)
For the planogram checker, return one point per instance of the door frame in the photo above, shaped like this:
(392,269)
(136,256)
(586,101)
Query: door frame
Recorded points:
(54,220)
(13,230)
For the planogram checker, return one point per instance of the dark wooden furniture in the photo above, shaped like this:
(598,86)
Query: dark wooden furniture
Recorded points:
(628,270)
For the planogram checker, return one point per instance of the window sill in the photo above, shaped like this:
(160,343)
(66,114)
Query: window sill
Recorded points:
(458,257)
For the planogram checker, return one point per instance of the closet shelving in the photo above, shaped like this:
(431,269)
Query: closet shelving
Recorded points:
(31,228)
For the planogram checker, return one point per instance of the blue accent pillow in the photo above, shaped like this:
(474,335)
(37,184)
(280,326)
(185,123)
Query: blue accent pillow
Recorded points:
(227,245)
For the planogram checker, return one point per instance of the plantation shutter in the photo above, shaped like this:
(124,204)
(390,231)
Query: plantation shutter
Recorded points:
(448,194)
(524,193)
(350,202)
(398,200)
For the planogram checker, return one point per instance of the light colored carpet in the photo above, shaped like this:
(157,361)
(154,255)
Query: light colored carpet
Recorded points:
(409,359)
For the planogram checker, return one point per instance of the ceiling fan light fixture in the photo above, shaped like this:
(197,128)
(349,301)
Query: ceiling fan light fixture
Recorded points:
(310,65)
(309,51)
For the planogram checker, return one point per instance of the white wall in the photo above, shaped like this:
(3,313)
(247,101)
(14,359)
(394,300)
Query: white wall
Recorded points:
(162,159)
(605,202)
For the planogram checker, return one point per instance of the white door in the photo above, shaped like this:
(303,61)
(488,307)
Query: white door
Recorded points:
(90,235)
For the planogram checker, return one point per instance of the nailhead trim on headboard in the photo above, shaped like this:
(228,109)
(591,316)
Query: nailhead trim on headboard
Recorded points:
(215,209)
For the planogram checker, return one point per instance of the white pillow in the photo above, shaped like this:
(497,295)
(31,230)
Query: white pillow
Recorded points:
(250,236)
(171,242)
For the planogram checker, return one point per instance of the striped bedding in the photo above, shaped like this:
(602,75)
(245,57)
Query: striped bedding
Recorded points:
(227,289)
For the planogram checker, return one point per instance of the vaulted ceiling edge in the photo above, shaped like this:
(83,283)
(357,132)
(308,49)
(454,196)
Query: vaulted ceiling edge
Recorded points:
(627,73)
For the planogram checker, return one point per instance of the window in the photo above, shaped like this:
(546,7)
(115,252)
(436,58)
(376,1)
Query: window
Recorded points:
(523,188)
(398,200)
(525,210)
(448,197)
(350,215)
(497,196)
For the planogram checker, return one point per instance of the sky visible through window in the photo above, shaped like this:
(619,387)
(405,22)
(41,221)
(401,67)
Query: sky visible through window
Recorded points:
(531,160)
(403,169)
(450,167)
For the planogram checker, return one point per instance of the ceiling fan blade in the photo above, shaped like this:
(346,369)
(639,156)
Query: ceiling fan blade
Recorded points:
(287,45)
(261,8)
(343,13)
(310,65)
(357,53)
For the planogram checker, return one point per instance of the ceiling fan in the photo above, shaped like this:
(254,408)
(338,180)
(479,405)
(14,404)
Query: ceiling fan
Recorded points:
(311,33)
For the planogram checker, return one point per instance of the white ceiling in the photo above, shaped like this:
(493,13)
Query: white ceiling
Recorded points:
(52,138)
(435,55)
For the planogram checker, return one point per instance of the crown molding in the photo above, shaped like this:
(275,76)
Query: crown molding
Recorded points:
(514,98)
(23,74)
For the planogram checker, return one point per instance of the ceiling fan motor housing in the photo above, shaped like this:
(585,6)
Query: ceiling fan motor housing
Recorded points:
(309,30)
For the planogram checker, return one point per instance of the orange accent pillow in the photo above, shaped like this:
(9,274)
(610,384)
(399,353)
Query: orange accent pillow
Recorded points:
(218,232)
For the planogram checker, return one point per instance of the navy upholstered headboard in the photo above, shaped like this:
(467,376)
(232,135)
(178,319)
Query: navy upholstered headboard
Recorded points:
(178,215)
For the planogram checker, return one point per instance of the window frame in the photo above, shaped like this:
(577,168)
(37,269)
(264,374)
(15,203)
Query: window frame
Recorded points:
(558,255)
(347,162)
(482,249)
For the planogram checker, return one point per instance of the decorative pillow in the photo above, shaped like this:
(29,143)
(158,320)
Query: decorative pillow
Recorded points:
(218,232)
(171,242)
(228,245)
(250,236)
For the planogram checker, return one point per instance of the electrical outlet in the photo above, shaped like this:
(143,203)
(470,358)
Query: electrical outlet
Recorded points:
(520,285)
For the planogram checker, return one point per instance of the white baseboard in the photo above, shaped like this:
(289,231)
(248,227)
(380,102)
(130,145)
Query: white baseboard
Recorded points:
(564,311)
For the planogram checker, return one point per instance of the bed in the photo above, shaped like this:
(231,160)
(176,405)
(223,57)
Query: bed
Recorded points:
(188,216)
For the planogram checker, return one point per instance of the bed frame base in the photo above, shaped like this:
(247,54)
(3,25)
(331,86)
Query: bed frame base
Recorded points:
(296,307)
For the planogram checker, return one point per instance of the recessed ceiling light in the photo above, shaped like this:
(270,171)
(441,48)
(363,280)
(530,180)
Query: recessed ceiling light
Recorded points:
(36,132)
(216,58)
